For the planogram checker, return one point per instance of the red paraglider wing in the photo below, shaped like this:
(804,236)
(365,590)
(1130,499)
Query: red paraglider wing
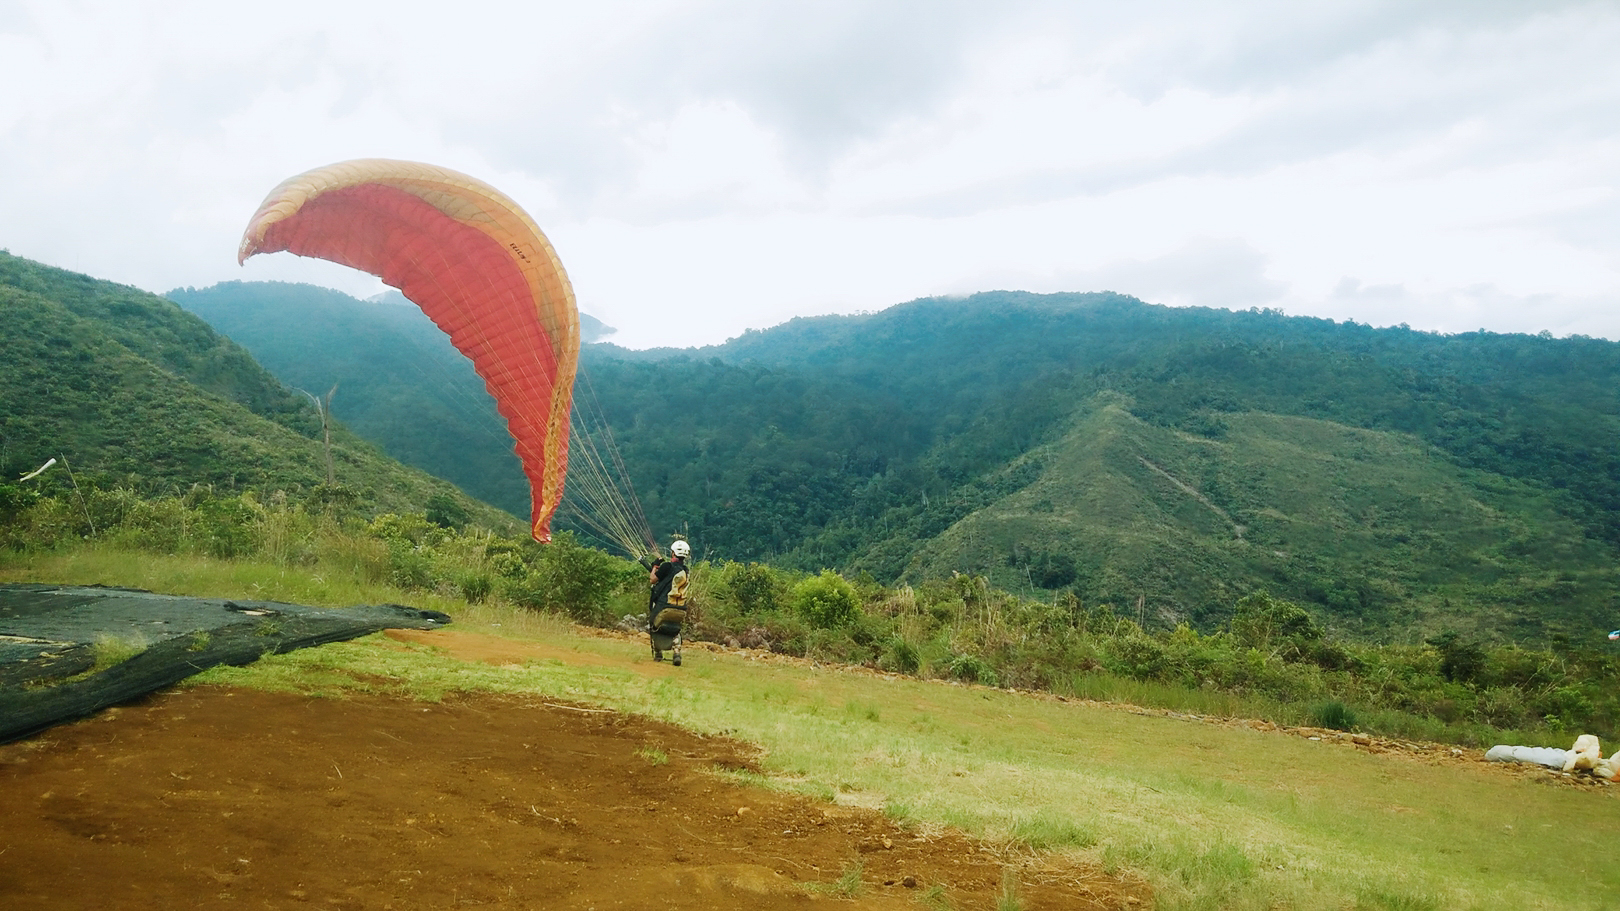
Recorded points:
(476,265)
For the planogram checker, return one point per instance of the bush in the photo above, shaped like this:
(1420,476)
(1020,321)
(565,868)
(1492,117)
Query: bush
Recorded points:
(750,586)
(225,528)
(973,669)
(476,586)
(445,512)
(409,568)
(574,579)
(1138,657)
(827,601)
(1333,715)
(1274,625)
(900,656)
(15,498)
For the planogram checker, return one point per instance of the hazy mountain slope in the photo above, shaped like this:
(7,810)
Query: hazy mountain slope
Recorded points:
(84,387)
(400,383)
(1530,407)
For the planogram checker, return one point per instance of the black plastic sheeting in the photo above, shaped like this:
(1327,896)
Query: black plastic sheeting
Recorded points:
(49,636)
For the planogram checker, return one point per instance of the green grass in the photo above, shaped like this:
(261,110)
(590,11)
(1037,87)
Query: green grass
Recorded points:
(1214,817)
(113,650)
(847,885)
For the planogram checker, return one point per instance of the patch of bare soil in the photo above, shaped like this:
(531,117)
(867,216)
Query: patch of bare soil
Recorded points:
(214,797)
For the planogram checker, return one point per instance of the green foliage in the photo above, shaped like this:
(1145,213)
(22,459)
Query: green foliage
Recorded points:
(1268,624)
(574,579)
(14,498)
(961,629)
(752,587)
(445,511)
(1333,714)
(973,669)
(900,656)
(826,600)
(1461,661)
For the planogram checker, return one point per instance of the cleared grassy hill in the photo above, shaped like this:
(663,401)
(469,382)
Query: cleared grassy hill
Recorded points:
(1393,538)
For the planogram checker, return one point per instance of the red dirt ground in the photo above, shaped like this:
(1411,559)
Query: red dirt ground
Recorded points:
(212,797)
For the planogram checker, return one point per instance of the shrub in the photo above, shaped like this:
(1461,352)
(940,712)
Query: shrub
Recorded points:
(900,656)
(1461,661)
(827,601)
(1138,657)
(1272,624)
(225,528)
(412,527)
(409,568)
(15,498)
(1333,715)
(445,512)
(574,579)
(973,669)
(751,586)
(476,586)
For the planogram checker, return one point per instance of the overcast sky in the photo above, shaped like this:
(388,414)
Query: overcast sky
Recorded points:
(706,167)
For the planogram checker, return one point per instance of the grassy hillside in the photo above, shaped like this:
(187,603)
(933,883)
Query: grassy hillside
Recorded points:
(136,393)
(1395,540)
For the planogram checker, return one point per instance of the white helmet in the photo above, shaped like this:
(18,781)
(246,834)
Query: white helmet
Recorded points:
(681,549)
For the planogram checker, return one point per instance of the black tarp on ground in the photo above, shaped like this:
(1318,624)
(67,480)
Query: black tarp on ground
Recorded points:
(49,636)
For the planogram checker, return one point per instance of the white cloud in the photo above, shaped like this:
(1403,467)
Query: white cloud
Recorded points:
(738,163)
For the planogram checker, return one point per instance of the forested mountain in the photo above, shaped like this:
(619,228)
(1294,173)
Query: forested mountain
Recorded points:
(1163,460)
(134,392)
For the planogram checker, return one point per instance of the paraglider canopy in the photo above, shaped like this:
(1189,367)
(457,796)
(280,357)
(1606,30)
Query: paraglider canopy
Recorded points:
(475,263)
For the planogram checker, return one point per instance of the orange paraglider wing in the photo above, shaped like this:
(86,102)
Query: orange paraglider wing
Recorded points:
(475,263)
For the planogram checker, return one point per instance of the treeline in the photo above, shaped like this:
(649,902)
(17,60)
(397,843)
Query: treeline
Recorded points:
(1272,659)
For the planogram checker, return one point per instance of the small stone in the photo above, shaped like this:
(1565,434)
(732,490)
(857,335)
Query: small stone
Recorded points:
(743,811)
(909,882)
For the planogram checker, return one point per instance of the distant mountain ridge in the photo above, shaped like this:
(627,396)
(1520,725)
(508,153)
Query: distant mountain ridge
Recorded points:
(1163,460)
